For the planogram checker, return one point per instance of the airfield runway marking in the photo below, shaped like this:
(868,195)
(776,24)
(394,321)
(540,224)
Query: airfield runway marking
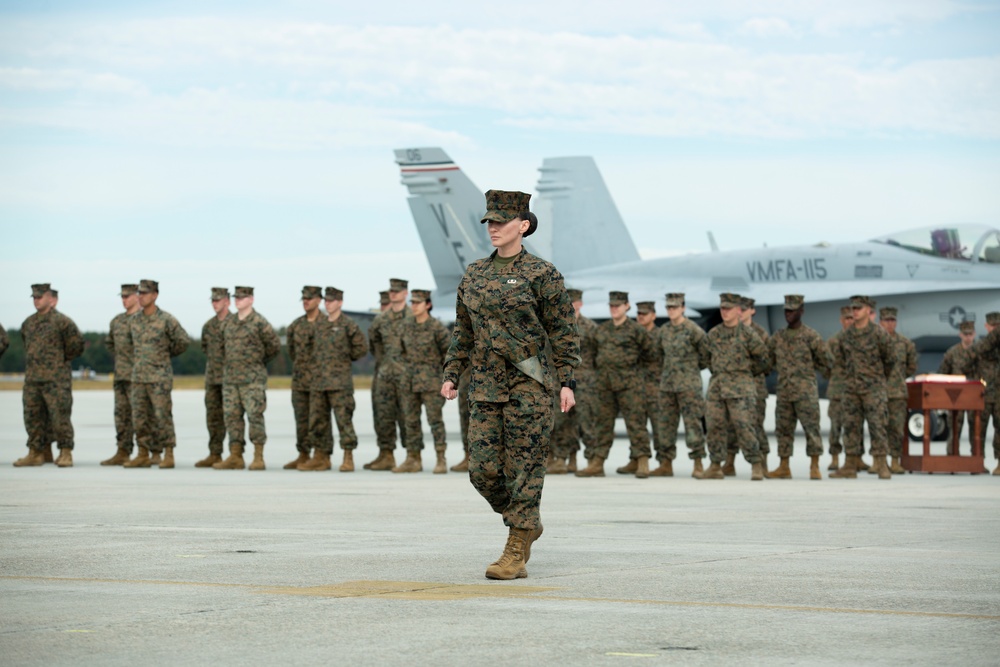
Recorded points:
(437,591)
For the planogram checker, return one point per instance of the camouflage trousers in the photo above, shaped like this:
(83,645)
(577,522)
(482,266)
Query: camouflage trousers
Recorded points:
(303,414)
(508,445)
(632,406)
(857,409)
(387,409)
(991,410)
(249,399)
(806,412)
(124,433)
(48,407)
(651,396)
(153,414)
(691,406)
(463,408)
(341,403)
(432,403)
(734,416)
(896,426)
(215,418)
(833,410)
(759,413)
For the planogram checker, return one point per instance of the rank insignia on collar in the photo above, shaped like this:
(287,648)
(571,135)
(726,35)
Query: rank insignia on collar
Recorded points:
(512,281)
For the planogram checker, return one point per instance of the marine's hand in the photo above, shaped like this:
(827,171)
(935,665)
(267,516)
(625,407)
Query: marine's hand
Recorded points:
(566,399)
(448,390)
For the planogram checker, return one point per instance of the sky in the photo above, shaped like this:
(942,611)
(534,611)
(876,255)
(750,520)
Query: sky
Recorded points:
(251,143)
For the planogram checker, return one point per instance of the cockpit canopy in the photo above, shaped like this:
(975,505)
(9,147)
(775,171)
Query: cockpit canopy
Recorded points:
(972,243)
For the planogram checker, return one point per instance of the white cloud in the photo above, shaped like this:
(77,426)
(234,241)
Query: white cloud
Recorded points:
(767,27)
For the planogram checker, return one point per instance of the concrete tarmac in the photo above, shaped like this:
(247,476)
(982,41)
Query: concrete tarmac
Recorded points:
(107,566)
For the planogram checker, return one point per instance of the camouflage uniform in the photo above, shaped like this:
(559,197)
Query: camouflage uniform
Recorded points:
(384,341)
(734,355)
(760,399)
(119,345)
(618,352)
(4,341)
(463,407)
(650,370)
(904,365)
(986,365)
(212,346)
(51,342)
(154,339)
(577,424)
(336,345)
(248,344)
(424,347)
(866,356)
(797,354)
(504,315)
(955,362)
(300,336)
(680,390)
(835,394)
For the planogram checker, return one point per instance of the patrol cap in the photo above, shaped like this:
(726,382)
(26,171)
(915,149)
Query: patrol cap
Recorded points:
(398,284)
(38,290)
(888,313)
(383,298)
(862,300)
(845,311)
(617,298)
(504,206)
(644,307)
(993,318)
(55,293)
(220,293)
(241,292)
(575,294)
(147,286)
(730,300)
(675,299)
(967,327)
(334,294)
(129,289)
(420,295)
(312,292)
(746,303)
(794,301)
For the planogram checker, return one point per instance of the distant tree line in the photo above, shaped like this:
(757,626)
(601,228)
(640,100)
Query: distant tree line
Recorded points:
(98,358)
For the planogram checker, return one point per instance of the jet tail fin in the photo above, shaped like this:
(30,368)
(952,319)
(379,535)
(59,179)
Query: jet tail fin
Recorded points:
(579,224)
(447,208)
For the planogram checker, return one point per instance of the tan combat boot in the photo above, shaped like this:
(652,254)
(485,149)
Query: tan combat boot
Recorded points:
(532,536)
(629,469)
(849,471)
(557,467)
(763,465)
(154,460)
(699,469)
(386,461)
(642,467)
(65,459)
(511,563)
(756,472)
(320,461)
(234,461)
(441,466)
(258,458)
(782,471)
(463,465)
(997,470)
(897,467)
(594,469)
(168,458)
(665,469)
(141,459)
(861,465)
(412,463)
(571,463)
(729,469)
(348,464)
(34,457)
(834,462)
(713,471)
(47,453)
(814,472)
(880,467)
(120,457)
(208,461)
(299,461)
